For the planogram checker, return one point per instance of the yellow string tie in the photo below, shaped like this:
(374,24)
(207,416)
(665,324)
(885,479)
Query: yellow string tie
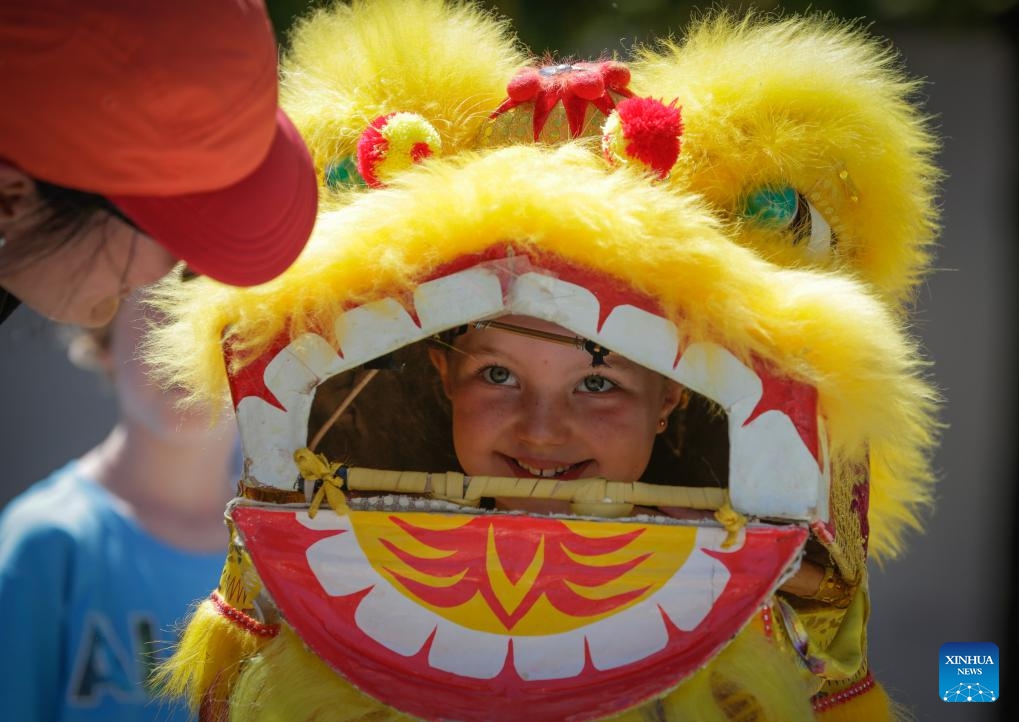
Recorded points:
(314,468)
(732,520)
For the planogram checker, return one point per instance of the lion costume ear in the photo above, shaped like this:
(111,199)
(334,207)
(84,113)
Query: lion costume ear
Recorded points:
(349,67)
(808,134)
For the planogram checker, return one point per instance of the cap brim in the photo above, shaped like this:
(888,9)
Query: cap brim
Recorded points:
(244,234)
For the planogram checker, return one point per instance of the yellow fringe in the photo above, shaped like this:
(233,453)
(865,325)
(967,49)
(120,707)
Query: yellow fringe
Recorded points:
(208,659)
(750,680)
(288,682)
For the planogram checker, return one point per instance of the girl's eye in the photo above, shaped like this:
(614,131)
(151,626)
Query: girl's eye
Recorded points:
(498,375)
(595,384)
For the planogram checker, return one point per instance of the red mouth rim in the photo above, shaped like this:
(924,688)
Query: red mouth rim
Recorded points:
(278,544)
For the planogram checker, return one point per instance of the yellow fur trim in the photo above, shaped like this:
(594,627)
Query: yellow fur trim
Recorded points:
(287,682)
(750,681)
(208,658)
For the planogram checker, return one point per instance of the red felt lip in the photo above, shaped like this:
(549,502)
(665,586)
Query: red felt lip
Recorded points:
(278,543)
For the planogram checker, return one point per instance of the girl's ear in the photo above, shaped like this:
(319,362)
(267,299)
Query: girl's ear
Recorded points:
(671,398)
(17,194)
(440,360)
(89,349)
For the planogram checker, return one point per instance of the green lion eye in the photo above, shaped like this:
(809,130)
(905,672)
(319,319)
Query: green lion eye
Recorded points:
(772,207)
(343,172)
(784,209)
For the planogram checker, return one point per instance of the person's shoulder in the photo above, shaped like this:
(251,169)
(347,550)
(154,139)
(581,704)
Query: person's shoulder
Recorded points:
(45,533)
(61,503)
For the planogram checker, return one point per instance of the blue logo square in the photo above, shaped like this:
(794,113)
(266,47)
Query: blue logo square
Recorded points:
(968,672)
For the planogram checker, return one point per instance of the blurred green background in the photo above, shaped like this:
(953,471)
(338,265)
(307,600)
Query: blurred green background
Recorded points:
(584,26)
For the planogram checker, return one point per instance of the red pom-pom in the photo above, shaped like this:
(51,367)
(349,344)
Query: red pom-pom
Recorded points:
(392,143)
(651,132)
(371,149)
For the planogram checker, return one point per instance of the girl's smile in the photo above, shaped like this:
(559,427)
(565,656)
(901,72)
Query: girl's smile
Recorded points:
(528,407)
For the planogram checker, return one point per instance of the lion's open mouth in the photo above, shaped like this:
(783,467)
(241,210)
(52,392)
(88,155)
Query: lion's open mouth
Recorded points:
(777,449)
(476,613)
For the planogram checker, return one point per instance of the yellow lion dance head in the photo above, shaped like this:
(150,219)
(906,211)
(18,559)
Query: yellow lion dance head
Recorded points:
(740,216)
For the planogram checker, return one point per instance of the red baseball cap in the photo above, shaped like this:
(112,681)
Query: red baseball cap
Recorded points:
(170,110)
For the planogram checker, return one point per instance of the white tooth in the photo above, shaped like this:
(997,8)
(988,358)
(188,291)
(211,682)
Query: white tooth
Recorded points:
(265,433)
(642,337)
(318,356)
(629,636)
(544,473)
(567,304)
(269,435)
(771,471)
(714,372)
(338,563)
(551,656)
(467,652)
(458,298)
(824,489)
(394,621)
(692,592)
(374,329)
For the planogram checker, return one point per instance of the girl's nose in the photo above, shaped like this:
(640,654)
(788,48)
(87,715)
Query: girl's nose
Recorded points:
(543,420)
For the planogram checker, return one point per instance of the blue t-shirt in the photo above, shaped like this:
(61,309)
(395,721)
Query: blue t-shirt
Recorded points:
(89,601)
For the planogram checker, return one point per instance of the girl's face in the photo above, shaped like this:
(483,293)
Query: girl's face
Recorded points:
(526,407)
(144,402)
(79,279)
(84,280)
